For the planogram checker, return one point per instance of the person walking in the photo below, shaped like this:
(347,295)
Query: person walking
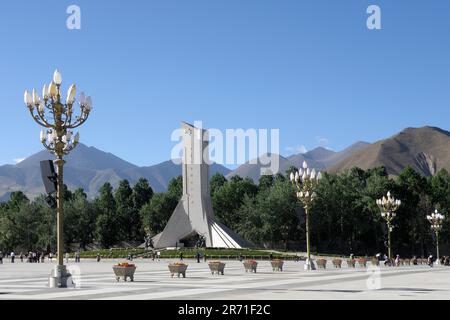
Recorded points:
(1,257)
(21,257)
(397,260)
(198,257)
(67,257)
(430,260)
(98,257)
(50,256)
(181,256)
(13,256)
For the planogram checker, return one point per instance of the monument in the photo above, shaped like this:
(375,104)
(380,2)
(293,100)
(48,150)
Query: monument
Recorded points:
(194,214)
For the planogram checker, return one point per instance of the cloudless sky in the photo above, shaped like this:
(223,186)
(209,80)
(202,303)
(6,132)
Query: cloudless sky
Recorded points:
(310,68)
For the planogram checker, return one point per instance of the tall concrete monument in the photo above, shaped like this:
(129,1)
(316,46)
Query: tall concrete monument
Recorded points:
(194,213)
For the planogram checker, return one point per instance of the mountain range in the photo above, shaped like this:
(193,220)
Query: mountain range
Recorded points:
(426,149)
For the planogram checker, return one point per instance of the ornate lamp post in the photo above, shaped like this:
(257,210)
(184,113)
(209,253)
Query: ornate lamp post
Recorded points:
(305,182)
(58,119)
(436,219)
(388,205)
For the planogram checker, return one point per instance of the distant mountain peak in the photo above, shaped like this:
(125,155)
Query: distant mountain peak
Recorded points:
(425,149)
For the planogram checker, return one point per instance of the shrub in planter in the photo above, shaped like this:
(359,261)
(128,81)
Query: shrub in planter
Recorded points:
(250,265)
(124,270)
(277,264)
(362,262)
(178,268)
(321,263)
(216,267)
(351,263)
(337,263)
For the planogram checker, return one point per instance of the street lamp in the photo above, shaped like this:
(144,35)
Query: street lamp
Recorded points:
(388,206)
(436,219)
(305,182)
(58,118)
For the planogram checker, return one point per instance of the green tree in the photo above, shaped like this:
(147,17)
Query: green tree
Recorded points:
(217,181)
(229,198)
(157,212)
(142,193)
(106,231)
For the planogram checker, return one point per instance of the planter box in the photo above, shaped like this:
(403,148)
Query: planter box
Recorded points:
(250,266)
(177,269)
(337,263)
(321,263)
(351,263)
(216,267)
(124,273)
(362,262)
(277,265)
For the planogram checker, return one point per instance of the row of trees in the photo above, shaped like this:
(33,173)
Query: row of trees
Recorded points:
(344,217)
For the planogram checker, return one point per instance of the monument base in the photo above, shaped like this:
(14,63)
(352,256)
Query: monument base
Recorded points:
(59,277)
(309,265)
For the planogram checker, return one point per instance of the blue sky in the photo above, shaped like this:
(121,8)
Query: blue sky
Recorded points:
(309,68)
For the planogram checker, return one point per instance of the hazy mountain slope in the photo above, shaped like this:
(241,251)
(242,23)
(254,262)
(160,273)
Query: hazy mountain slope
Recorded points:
(88,168)
(319,158)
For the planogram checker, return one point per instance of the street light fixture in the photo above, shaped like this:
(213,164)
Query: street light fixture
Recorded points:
(436,219)
(388,206)
(305,182)
(59,120)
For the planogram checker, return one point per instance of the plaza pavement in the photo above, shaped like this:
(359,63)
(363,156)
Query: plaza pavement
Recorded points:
(152,281)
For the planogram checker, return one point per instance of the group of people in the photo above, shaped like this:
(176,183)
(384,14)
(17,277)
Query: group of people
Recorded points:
(31,257)
(445,260)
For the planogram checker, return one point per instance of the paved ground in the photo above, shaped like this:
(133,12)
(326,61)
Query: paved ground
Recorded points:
(152,281)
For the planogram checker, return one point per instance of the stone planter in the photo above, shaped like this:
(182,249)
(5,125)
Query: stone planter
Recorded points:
(362,262)
(124,272)
(277,265)
(250,266)
(375,262)
(178,269)
(337,263)
(351,263)
(321,263)
(216,267)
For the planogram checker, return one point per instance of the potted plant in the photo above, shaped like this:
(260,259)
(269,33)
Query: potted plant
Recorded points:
(375,261)
(351,263)
(216,267)
(321,263)
(277,264)
(362,262)
(124,270)
(337,263)
(178,268)
(250,265)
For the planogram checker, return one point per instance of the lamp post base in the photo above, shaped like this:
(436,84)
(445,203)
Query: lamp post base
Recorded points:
(59,277)
(309,265)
